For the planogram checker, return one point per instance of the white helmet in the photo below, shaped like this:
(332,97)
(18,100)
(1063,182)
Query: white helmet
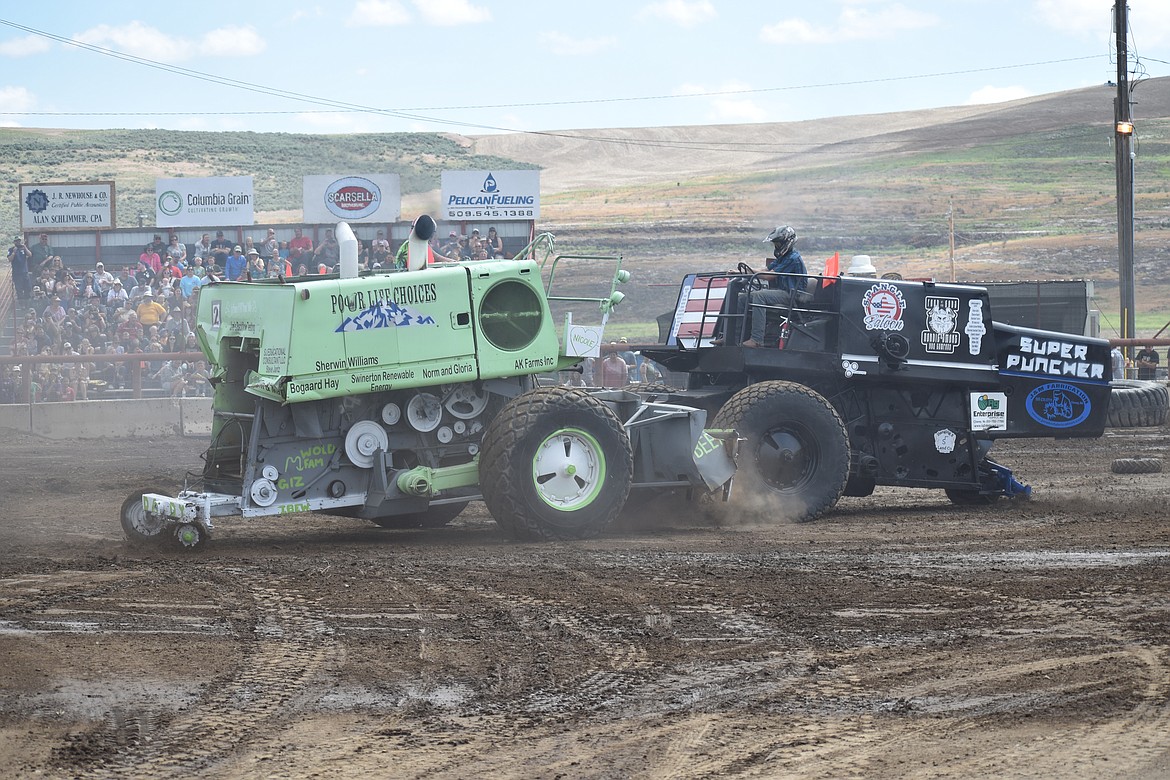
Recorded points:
(784,239)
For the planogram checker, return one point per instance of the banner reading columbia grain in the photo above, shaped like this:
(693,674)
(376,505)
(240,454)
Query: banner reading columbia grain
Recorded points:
(223,201)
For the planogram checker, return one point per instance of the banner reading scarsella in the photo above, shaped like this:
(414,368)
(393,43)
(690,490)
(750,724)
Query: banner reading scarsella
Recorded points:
(365,197)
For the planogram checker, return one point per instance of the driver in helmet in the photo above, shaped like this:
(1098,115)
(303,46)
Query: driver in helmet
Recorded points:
(781,286)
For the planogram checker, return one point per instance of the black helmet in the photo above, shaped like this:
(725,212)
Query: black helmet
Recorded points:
(784,238)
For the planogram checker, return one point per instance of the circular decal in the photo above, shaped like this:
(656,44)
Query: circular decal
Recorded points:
(170,203)
(884,305)
(1058,405)
(353,197)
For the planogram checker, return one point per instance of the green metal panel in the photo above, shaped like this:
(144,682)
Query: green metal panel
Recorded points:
(335,337)
(514,326)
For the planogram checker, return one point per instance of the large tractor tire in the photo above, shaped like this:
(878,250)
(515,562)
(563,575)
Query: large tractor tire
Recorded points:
(139,527)
(795,460)
(555,463)
(1136,466)
(1136,403)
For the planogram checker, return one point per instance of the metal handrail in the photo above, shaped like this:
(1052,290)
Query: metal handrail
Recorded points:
(134,359)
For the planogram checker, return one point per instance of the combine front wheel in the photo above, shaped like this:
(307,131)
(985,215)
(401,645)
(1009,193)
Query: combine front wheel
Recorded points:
(556,464)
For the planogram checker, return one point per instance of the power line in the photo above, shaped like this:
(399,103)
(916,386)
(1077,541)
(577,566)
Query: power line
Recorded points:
(407,113)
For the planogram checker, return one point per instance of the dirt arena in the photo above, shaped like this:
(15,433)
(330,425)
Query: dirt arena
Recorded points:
(897,637)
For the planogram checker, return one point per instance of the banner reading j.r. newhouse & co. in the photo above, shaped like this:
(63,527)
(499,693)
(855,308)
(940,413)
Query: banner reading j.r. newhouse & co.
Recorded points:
(83,205)
(222,201)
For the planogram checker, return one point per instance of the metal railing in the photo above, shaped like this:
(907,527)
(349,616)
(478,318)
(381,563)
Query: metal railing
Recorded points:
(135,368)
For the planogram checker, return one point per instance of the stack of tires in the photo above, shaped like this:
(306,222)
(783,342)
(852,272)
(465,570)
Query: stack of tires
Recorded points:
(1136,403)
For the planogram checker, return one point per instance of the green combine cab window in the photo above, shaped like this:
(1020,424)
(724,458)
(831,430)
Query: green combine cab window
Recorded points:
(510,316)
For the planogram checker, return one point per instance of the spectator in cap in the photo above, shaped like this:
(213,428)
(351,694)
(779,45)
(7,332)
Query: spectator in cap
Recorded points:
(103,278)
(236,265)
(380,249)
(150,312)
(42,255)
(158,246)
(270,248)
(117,295)
(450,247)
(329,252)
(20,258)
(54,311)
(256,267)
(151,259)
(190,281)
(220,249)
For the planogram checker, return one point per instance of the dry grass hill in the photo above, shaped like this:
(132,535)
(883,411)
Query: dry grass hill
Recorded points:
(1030,182)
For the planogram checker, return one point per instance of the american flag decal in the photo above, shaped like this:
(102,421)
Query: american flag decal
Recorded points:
(698,310)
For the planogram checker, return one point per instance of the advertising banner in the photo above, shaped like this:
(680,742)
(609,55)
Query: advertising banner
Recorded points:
(67,206)
(494,195)
(373,197)
(216,201)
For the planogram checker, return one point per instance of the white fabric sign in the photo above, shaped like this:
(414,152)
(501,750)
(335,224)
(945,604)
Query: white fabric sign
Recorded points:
(495,195)
(372,197)
(67,206)
(221,201)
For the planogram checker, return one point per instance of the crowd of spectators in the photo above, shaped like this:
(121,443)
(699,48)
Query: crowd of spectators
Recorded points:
(150,308)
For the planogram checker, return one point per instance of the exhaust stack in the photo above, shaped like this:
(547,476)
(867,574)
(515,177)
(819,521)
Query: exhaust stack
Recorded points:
(348,249)
(421,232)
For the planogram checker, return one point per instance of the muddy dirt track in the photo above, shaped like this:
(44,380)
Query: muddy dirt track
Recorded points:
(897,637)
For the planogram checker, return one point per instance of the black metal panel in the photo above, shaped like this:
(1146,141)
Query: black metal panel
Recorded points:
(1057,384)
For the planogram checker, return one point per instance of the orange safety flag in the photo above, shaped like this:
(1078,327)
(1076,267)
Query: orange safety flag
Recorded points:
(832,270)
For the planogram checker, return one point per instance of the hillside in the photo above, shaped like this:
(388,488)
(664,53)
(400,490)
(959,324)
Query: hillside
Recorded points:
(1030,182)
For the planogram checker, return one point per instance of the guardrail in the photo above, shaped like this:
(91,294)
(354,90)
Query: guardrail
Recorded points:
(135,361)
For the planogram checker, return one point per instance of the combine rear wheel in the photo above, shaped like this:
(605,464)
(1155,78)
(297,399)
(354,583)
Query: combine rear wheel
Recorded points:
(556,464)
(795,460)
(139,527)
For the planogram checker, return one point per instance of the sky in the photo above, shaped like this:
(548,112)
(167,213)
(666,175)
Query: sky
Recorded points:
(486,66)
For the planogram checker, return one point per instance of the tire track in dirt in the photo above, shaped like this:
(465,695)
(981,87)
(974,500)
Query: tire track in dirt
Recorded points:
(964,703)
(541,619)
(290,647)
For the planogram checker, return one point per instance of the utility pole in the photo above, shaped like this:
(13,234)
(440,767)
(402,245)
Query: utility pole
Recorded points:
(951,220)
(1123,147)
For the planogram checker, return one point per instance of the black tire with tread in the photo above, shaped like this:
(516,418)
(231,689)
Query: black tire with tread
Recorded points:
(801,417)
(133,520)
(1136,403)
(650,388)
(510,443)
(1136,466)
